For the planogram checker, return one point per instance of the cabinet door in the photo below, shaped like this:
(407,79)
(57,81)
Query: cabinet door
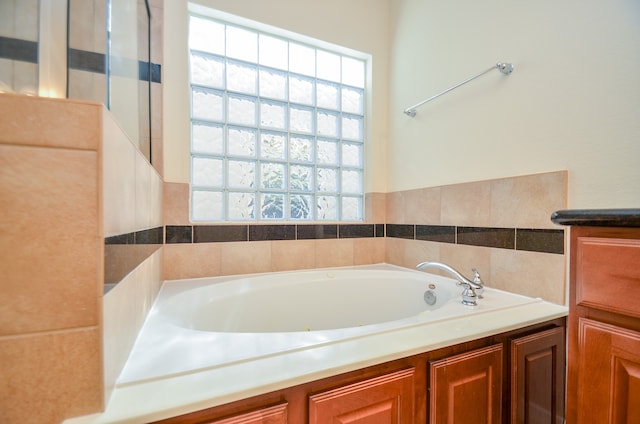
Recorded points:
(272,415)
(537,378)
(608,373)
(382,400)
(467,388)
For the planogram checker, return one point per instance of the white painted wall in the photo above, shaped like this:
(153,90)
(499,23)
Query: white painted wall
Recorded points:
(572,102)
(360,25)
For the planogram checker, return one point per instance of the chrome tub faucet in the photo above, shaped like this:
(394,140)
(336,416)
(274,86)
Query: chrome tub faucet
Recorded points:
(473,289)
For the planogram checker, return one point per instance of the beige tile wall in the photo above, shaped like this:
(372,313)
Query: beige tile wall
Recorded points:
(213,259)
(51,250)
(63,188)
(518,202)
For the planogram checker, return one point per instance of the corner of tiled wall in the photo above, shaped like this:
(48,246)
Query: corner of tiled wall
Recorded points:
(133,197)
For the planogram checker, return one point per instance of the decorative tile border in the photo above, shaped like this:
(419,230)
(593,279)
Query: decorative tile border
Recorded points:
(16,49)
(150,236)
(81,60)
(533,240)
(230,233)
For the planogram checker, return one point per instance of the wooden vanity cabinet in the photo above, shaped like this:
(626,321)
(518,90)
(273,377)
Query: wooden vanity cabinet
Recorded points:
(515,377)
(604,326)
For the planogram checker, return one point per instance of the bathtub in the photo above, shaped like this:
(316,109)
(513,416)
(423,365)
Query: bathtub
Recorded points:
(209,341)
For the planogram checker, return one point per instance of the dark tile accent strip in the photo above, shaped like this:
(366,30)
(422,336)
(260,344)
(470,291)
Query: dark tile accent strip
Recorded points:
(439,233)
(156,71)
(503,238)
(321,231)
(272,232)
(178,234)
(16,49)
(83,60)
(534,240)
(150,236)
(401,231)
(220,233)
(355,230)
(129,238)
(379,230)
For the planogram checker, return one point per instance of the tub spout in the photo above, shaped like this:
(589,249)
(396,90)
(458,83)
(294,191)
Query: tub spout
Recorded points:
(473,289)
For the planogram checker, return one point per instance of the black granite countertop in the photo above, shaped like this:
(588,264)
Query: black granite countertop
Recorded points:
(598,217)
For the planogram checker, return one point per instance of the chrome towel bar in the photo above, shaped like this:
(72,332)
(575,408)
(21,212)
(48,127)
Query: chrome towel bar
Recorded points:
(505,68)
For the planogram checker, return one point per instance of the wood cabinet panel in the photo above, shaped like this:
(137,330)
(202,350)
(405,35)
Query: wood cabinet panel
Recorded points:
(608,373)
(608,274)
(382,400)
(276,414)
(467,388)
(537,378)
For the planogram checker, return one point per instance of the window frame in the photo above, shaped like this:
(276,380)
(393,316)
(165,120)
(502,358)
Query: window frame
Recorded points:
(315,110)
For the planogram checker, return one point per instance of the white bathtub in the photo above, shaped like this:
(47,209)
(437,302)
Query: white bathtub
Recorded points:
(211,322)
(211,341)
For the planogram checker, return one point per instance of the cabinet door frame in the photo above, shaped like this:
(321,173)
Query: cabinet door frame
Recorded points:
(537,365)
(463,372)
(392,393)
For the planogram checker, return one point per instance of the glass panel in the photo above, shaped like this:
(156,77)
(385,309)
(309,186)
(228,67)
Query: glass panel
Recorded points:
(301,148)
(241,141)
(273,84)
(123,67)
(328,66)
(273,115)
(352,208)
(301,177)
(301,119)
(242,206)
(301,206)
(274,52)
(352,154)
(302,59)
(242,78)
(327,152)
(242,44)
(327,180)
(207,138)
(206,35)
(327,208)
(301,90)
(242,110)
(352,100)
(272,175)
(207,70)
(207,104)
(353,72)
(352,127)
(327,95)
(207,172)
(242,174)
(327,124)
(272,206)
(272,145)
(351,181)
(207,206)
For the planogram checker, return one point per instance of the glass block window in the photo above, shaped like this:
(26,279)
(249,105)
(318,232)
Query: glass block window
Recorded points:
(277,127)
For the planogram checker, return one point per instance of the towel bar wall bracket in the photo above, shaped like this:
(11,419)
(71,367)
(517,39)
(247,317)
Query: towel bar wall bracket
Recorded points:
(505,68)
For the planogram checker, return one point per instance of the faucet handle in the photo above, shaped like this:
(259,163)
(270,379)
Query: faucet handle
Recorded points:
(478,280)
